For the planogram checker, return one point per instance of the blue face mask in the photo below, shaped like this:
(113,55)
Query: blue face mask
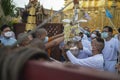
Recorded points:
(104,35)
(46,39)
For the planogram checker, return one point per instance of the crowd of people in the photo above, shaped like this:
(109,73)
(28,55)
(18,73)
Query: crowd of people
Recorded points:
(94,49)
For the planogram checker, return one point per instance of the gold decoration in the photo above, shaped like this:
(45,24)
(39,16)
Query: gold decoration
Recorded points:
(70,31)
(30,26)
(31,19)
(32,10)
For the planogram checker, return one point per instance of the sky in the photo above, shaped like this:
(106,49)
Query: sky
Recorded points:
(48,4)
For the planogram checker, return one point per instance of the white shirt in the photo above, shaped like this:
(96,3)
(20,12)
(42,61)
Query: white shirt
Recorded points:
(110,49)
(95,61)
(84,53)
(84,37)
(87,51)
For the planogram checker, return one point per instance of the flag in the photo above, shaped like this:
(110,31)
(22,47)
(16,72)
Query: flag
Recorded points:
(108,14)
(86,15)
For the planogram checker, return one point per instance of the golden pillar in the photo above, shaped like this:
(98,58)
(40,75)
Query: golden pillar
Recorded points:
(113,11)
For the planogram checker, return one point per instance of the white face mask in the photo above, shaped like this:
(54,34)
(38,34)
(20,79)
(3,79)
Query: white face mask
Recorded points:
(104,35)
(8,34)
(77,38)
(46,39)
(93,35)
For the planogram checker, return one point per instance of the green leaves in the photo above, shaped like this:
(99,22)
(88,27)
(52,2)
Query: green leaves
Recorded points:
(8,7)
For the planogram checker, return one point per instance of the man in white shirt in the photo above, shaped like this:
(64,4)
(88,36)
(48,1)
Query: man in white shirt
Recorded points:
(110,50)
(96,61)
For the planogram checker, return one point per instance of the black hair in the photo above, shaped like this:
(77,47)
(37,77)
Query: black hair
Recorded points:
(97,33)
(119,30)
(101,40)
(110,29)
(4,26)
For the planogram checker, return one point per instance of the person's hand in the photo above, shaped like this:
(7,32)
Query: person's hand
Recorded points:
(66,48)
(79,45)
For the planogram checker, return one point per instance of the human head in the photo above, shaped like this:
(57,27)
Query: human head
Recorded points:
(41,34)
(6,31)
(95,34)
(24,41)
(107,32)
(31,36)
(97,45)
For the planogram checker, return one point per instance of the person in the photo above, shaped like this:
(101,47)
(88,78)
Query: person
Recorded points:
(110,50)
(7,39)
(42,35)
(94,34)
(31,36)
(95,61)
(49,42)
(25,41)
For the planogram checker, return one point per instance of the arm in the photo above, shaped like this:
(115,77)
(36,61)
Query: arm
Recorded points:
(87,51)
(72,58)
(54,42)
(79,45)
(56,36)
(93,62)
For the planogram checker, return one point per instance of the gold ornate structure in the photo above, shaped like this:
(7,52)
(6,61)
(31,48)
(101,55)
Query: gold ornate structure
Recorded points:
(36,14)
(31,20)
(96,10)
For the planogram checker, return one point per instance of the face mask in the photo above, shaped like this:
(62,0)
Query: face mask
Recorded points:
(93,35)
(104,35)
(77,38)
(8,34)
(46,39)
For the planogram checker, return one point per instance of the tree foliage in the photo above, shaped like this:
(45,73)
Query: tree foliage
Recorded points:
(8,7)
